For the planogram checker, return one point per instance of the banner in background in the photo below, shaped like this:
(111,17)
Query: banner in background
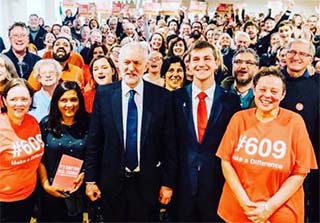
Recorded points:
(170,7)
(116,7)
(225,8)
(151,8)
(198,7)
(69,3)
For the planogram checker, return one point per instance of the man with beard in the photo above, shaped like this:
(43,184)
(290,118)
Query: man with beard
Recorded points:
(245,66)
(196,33)
(61,52)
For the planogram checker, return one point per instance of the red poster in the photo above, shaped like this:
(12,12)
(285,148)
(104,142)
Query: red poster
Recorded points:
(116,7)
(83,9)
(68,3)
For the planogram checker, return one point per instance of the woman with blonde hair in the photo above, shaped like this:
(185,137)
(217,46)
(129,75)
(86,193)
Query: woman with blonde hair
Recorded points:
(7,72)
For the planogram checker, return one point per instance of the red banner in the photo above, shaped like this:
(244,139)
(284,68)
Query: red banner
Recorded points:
(116,7)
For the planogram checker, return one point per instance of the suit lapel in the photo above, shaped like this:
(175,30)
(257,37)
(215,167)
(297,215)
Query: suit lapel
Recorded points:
(148,99)
(187,110)
(117,110)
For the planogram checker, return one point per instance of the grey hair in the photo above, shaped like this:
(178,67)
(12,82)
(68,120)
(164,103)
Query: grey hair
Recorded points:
(311,48)
(246,50)
(140,47)
(44,62)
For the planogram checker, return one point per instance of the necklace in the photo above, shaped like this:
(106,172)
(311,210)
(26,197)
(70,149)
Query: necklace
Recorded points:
(241,92)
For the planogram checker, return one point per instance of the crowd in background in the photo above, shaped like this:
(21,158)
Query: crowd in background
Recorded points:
(55,72)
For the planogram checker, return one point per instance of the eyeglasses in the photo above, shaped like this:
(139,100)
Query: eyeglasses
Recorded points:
(20,36)
(246,62)
(292,53)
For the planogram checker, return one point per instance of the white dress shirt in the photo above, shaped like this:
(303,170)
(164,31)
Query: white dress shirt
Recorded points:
(138,98)
(195,101)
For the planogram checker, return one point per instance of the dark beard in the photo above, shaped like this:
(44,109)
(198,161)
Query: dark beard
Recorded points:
(195,34)
(61,58)
(243,82)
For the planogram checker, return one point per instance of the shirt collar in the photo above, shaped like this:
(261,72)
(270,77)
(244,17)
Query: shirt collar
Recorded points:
(138,88)
(305,74)
(209,92)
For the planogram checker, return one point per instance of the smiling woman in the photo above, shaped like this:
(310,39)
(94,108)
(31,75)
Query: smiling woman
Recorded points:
(270,145)
(174,72)
(64,131)
(21,149)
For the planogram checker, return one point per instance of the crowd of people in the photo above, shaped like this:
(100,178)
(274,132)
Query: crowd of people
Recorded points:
(212,119)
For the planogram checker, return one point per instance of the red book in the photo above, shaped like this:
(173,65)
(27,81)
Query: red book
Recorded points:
(67,172)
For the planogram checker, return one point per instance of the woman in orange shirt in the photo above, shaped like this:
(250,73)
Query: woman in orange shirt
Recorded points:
(21,149)
(266,154)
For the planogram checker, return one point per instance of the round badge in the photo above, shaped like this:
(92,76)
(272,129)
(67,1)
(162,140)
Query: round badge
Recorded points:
(299,106)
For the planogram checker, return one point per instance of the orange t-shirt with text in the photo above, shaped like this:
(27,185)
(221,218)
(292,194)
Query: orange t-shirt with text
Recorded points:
(21,149)
(264,155)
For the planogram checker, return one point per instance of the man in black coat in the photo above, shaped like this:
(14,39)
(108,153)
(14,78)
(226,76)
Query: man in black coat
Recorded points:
(131,160)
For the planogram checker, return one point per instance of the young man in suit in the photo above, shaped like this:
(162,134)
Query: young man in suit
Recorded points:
(130,160)
(203,110)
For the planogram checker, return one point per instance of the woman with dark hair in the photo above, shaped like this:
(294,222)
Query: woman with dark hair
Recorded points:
(103,72)
(64,131)
(93,24)
(21,149)
(97,49)
(177,47)
(174,72)
(158,43)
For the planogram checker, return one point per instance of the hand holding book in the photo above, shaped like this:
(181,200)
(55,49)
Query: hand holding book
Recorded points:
(68,175)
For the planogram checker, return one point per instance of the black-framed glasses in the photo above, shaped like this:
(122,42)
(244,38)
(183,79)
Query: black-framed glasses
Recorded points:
(292,53)
(246,62)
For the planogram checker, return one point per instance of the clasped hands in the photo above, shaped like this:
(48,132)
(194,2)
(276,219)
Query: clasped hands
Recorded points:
(93,192)
(257,212)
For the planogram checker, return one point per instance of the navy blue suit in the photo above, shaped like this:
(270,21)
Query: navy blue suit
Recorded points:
(105,155)
(200,177)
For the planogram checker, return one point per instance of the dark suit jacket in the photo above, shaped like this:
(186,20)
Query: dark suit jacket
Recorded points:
(105,155)
(199,170)
(40,37)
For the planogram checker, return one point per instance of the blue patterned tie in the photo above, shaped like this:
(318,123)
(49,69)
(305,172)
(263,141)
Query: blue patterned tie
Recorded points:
(132,126)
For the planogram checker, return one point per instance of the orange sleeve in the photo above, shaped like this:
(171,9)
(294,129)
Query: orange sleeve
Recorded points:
(305,157)
(76,59)
(33,82)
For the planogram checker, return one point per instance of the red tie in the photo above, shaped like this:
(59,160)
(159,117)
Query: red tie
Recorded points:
(202,115)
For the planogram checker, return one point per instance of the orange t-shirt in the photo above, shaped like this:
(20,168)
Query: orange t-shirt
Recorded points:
(21,149)
(75,58)
(264,155)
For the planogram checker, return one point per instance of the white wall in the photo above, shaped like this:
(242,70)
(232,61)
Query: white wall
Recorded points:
(19,10)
